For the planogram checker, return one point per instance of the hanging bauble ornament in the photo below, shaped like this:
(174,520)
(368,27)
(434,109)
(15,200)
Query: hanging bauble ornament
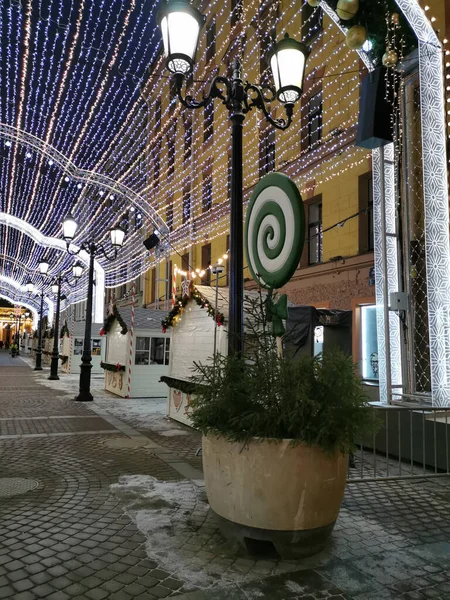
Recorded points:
(347,9)
(390,58)
(395,19)
(274,230)
(356,36)
(314,3)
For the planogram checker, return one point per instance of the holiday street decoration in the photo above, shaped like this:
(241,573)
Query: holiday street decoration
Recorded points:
(277,312)
(185,286)
(115,314)
(274,230)
(347,9)
(180,303)
(356,37)
(110,367)
(64,330)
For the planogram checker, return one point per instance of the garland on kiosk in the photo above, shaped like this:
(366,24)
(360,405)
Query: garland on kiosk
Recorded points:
(180,304)
(114,314)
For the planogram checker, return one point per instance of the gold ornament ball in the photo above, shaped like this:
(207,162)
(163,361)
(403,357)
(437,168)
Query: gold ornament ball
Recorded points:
(347,9)
(356,36)
(395,18)
(390,58)
(314,2)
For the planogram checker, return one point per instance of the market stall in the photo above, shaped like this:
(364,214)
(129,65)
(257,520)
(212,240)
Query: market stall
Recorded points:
(136,354)
(71,347)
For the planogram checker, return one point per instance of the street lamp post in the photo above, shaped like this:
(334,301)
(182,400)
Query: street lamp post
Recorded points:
(180,24)
(92,248)
(56,289)
(43,270)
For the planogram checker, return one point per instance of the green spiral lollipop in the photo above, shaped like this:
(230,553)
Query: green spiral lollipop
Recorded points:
(275,230)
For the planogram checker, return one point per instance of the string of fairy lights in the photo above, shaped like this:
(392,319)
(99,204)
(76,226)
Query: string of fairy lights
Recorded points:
(92,98)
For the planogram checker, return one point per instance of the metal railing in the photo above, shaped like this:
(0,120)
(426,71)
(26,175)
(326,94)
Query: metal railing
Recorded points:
(405,442)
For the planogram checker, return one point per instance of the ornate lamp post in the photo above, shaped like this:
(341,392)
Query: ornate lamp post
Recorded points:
(92,248)
(56,289)
(43,270)
(180,24)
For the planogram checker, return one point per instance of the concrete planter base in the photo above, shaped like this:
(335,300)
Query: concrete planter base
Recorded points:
(272,494)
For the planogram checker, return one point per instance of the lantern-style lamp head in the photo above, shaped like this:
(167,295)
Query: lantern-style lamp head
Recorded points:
(43,266)
(287,61)
(117,236)
(27,314)
(29,285)
(180,25)
(55,286)
(11,315)
(77,270)
(69,228)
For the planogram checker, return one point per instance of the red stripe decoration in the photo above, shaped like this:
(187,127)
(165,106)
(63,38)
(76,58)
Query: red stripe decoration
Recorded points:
(130,357)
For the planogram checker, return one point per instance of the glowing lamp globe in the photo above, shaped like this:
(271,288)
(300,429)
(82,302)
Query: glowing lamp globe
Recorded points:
(29,285)
(287,61)
(55,287)
(69,228)
(77,270)
(43,266)
(117,236)
(180,25)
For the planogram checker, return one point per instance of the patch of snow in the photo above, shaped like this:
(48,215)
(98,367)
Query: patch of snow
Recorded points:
(142,413)
(170,515)
(292,586)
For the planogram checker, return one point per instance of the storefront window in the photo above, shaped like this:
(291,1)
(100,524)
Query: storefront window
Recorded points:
(369,343)
(152,351)
(78,346)
(96,347)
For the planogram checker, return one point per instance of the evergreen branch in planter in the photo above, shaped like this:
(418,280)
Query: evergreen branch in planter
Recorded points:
(314,400)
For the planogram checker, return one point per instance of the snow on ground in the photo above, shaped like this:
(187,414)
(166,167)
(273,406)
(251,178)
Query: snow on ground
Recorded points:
(173,518)
(142,413)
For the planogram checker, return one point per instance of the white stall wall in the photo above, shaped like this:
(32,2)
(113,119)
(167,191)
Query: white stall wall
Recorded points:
(117,345)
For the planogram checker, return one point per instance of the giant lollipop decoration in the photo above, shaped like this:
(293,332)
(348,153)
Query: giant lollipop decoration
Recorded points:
(275,235)
(275,230)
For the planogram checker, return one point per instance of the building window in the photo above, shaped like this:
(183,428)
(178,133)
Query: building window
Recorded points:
(207,192)
(206,262)
(156,164)
(208,121)
(315,233)
(158,115)
(311,22)
(171,152)
(211,40)
(187,137)
(365,196)
(186,203)
(172,96)
(236,11)
(265,44)
(315,119)
(153,286)
(169,216)
(152,351)
(266,151)
(229,175)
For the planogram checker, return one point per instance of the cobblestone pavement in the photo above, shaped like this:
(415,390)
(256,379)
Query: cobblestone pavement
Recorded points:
(89,528)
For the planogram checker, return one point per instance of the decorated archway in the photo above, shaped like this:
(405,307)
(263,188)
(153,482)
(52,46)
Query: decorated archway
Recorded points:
(14,292)
(437,246)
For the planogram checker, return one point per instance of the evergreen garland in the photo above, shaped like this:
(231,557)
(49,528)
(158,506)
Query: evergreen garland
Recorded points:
(110,367)
(64,330)
(180,304)
(372,15)
(115,314)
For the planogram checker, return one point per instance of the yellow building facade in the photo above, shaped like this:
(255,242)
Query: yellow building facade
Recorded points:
(189,154)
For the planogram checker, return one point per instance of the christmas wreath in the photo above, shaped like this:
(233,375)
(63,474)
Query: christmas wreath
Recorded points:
(64,330)
(180,304)
(115,314)
(110,367)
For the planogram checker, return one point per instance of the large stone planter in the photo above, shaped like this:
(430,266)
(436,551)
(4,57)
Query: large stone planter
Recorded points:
(272,495)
